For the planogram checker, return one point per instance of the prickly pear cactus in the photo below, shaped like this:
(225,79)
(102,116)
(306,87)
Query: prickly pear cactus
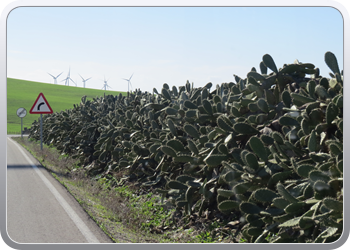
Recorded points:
(268,147)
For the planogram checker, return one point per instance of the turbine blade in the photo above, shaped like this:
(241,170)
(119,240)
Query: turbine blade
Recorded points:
(59,75)
(131,76)
(51,75)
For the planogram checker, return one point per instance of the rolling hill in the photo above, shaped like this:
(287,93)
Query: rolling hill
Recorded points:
(22,93)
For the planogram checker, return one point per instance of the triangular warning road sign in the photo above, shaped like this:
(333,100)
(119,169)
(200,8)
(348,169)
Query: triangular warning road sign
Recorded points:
(41,106)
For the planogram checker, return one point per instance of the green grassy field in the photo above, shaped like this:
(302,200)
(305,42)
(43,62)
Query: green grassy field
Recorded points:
(22,93)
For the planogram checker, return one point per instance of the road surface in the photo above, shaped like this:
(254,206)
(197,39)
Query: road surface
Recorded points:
(39,208)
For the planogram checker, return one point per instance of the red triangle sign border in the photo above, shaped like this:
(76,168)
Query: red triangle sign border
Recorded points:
(41,112)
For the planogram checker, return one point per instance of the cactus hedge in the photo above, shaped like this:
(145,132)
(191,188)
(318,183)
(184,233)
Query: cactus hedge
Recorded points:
(267,148)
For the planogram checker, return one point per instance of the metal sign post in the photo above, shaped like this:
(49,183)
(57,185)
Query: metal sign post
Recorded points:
(21,112)
(41,106)
(21,127)
(41,131)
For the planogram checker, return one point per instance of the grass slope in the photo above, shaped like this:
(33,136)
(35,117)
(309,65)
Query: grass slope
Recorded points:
(22,93)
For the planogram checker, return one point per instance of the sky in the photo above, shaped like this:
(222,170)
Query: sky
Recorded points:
(157,45)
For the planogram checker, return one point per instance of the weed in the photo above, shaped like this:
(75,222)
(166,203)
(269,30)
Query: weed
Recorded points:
(206,237)
(242,240)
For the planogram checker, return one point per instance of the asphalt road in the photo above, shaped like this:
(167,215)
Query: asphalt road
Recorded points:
(39,208)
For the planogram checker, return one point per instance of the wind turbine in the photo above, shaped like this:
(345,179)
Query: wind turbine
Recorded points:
(68,78)
(55,78)
(105,85)
(128,80)
(84,80)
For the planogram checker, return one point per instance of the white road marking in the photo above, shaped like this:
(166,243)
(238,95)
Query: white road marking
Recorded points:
(89,236)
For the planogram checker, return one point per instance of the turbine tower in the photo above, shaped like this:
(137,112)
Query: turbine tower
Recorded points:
(128,80)
(68,78)
(84,80)
(55,78)
(105,85)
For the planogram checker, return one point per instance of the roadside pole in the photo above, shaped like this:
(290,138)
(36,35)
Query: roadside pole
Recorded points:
(41,131)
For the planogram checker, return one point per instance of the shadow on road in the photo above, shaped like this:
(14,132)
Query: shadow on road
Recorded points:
(21,166)
(18,167)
